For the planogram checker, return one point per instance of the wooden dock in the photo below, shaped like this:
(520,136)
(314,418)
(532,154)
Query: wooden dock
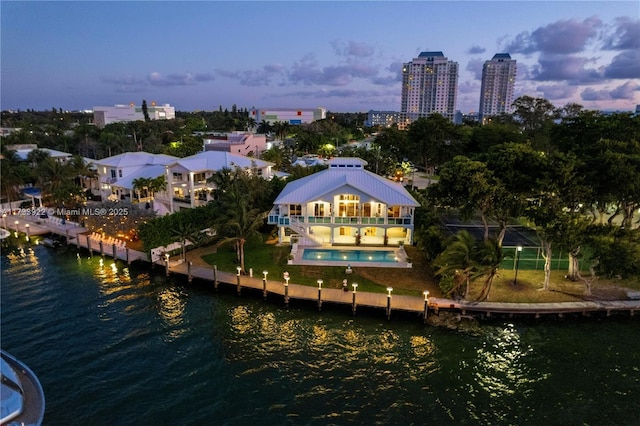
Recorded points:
(389,303)
(78,236)
(74,235)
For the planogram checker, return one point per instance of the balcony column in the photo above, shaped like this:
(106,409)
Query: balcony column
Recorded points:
(192,197)
(169,179)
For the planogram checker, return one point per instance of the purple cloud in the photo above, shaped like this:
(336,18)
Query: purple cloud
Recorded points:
(556,91)
(353,48)
(475,67)
(561,37)
(625,91)
(624,65)
(475,50)
(558,67)
(255,78)
(626,35)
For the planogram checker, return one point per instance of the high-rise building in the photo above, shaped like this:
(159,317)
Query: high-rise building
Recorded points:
(429,84)
(496,92)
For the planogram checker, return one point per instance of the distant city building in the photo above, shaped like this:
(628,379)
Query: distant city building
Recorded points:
(124,113)
(240,143)
(496,92)
(384,118)
(429,85)
(286,115)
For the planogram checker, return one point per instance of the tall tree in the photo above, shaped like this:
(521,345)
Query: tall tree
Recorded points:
(145,110)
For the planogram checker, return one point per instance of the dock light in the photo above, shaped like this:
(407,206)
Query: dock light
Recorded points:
(27,231)
(389,289)
(426,305)
(264,284)
(238,279)
(353,299)
(320,294)
(286,289)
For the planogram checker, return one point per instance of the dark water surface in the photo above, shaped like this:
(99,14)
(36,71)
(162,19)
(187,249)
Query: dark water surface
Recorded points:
(118,345)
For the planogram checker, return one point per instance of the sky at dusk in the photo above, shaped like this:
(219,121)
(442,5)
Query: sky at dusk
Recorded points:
(344,56)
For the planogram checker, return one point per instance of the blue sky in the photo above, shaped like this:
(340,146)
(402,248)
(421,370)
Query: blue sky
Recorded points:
(344,56)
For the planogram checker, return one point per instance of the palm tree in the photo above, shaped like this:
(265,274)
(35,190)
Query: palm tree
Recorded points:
(140,184)
(12,175)
(489,257)
(184,232)
(240,221)
(457,261)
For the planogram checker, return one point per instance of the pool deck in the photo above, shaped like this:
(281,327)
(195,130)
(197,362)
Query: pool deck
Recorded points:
(298,252)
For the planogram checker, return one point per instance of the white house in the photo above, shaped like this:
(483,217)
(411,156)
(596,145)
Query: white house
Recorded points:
(344,204)
(187,185)
(117,173)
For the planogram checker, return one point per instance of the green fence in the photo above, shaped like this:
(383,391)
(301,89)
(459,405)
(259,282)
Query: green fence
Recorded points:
(530,258)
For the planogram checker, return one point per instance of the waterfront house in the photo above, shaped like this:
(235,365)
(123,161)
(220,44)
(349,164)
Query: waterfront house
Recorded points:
(344,204)
(187,185)
(117,173)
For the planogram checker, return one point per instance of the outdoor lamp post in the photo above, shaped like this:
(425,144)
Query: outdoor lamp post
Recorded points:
(353,301)
(264,284)
(518,251)
(426,304)
(166,264)
(4,220)
(26,227)
(239,269)
(389,289)
(320,294)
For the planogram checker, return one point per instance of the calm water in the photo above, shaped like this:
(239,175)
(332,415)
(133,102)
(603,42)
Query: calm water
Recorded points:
(350,255)
(123,346)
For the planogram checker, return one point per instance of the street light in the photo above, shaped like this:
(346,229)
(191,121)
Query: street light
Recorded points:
(518,250)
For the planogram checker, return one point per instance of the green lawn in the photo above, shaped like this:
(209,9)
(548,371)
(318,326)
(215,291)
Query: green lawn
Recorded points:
(262,256)
(269,257)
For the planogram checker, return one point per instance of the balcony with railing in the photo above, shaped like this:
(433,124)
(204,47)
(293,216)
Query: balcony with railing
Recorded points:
(280,220)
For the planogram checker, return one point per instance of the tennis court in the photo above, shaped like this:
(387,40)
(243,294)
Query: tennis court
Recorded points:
(530,258)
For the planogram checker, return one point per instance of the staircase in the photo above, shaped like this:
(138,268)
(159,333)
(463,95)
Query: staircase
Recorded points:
(305,239)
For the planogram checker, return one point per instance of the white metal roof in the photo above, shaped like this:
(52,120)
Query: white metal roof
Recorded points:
(218,160)
(128,159)
(335,180)
(152,171)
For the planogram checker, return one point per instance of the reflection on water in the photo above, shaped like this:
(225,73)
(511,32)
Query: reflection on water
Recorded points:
(130,344)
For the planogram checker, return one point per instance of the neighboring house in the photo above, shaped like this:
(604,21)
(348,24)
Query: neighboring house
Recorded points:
(35,194)
(187,185)
(23,151)
(241,143)
(117,173)
(344,204)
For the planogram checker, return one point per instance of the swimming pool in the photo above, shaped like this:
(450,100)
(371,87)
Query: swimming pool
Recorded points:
(337,255)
